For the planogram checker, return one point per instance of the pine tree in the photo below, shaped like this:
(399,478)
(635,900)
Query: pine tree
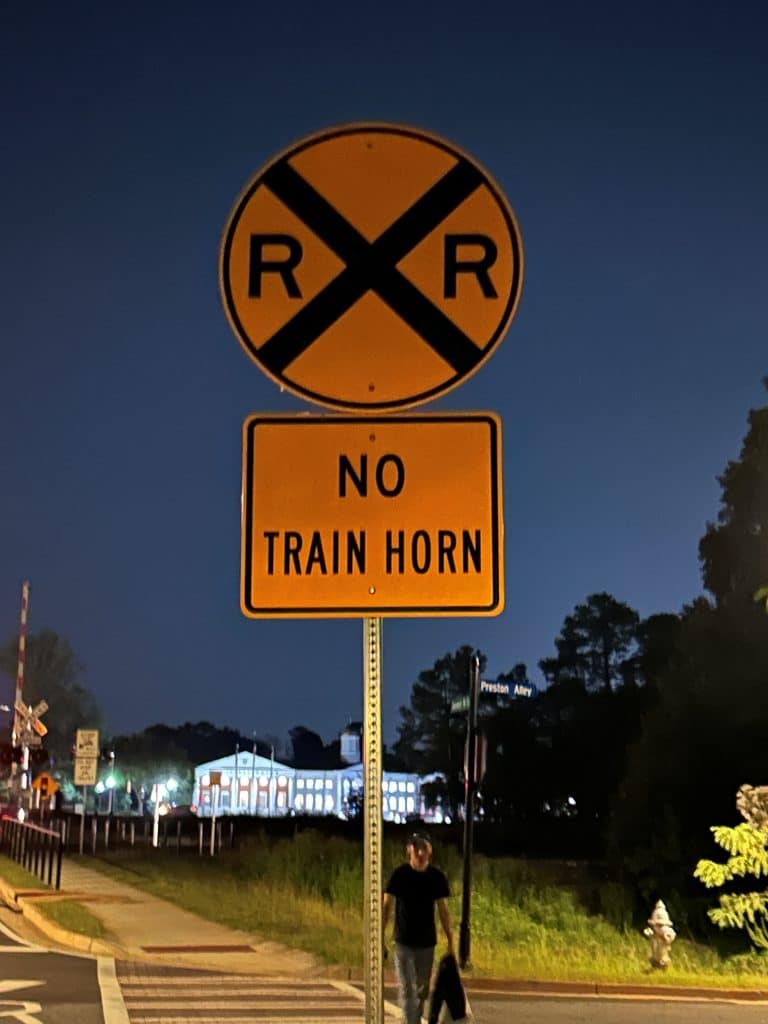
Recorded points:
(734,551)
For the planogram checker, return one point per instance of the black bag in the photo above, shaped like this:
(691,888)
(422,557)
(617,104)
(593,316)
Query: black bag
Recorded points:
(449,990)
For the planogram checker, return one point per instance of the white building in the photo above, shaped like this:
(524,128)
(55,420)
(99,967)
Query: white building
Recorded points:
(245,783)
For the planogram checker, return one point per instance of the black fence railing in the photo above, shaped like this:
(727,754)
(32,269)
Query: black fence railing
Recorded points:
(38,850)
(94,834)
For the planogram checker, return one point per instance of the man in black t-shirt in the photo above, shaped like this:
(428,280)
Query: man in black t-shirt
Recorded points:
(417,888)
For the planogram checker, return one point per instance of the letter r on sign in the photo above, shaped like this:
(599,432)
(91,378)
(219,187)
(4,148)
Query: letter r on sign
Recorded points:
(259,265)
(453,266)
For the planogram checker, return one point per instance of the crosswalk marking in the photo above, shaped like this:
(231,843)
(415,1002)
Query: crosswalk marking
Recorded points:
(177,996)
(251,1019)
(226,1003)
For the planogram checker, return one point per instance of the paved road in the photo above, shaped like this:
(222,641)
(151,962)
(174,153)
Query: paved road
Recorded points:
(50,988)
(490,1009)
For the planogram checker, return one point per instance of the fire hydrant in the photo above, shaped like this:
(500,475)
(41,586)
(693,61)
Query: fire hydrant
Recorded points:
(662,935)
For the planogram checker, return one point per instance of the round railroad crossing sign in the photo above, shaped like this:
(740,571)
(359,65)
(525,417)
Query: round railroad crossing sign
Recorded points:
(371,267)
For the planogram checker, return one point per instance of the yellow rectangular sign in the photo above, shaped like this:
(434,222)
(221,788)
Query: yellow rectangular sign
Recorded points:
(87,743)
(351,516)
(86,771)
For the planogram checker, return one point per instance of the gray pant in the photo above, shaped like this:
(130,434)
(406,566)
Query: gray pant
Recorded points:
(414,969)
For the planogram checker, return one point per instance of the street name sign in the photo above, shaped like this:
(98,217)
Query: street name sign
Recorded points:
(460,704)
(508,689)
(371,267)
(372,516)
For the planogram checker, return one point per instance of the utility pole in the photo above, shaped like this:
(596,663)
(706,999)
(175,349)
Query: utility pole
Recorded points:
(470,787)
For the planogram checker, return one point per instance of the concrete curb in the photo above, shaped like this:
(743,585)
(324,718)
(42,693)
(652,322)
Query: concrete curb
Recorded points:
(8,896)
(23,905)
(83,943)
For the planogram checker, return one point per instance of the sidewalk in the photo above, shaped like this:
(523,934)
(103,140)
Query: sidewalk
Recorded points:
(143,927)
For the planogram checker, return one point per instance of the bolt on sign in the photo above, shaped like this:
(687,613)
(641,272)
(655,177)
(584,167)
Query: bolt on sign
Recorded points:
(372,515)
(371,267)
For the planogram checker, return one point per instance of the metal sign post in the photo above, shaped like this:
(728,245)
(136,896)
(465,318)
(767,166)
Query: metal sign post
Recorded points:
(82,820)
(470,786)
(214,809)
(374,977)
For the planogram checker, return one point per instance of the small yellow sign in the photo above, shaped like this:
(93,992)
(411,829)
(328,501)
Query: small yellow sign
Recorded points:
(46,784)
(86,771)
(87,743)
(362,515)
(371,266)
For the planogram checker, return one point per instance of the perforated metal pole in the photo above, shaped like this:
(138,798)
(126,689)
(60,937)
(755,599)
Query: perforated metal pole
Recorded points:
(374,980)
(470,787)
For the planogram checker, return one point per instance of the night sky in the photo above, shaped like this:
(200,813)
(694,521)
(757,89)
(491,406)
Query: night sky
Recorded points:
(631,141)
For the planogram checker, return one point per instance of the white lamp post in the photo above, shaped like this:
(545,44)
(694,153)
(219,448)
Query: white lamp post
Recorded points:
(159,791)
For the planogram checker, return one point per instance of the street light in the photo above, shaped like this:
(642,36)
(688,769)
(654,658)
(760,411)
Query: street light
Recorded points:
(109,782)
(160,790)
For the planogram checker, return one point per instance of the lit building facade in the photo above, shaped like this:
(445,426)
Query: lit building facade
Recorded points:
(246,783)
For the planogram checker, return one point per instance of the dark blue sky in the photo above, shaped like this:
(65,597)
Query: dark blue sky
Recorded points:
(632,144)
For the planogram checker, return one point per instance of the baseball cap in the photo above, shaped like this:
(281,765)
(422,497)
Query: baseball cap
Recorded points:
(419,839)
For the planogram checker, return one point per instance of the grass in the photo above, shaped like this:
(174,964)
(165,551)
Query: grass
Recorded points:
(66,913)
(17,877)
(307,892)
(72,916)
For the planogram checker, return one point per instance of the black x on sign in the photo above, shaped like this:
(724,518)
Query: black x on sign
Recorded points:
(371,266)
